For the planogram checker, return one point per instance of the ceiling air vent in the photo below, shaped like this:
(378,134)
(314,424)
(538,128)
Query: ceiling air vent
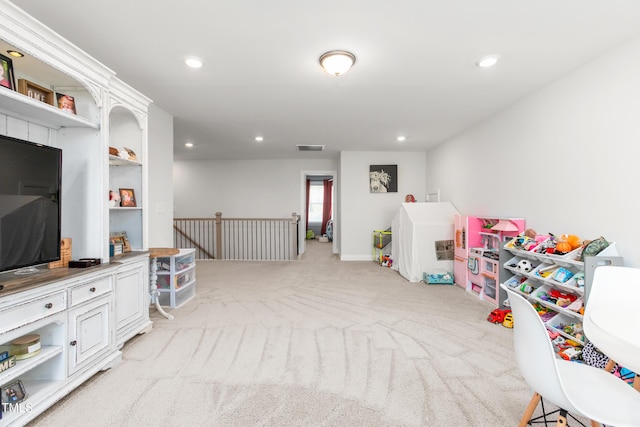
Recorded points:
(310,147)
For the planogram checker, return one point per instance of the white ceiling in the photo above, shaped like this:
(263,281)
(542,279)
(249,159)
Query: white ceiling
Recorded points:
(415,73)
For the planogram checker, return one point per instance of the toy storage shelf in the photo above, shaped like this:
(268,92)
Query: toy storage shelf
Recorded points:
(563,275)
(177,278)
(380,239)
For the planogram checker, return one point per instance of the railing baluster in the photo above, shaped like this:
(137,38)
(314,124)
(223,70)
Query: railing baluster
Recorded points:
(259,239)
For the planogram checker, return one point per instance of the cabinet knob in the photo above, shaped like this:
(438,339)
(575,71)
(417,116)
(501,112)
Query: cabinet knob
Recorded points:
(73,343)
(92,289)
(48,305)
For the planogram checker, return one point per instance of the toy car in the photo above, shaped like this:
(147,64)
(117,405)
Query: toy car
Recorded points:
(497,315)
(508,321)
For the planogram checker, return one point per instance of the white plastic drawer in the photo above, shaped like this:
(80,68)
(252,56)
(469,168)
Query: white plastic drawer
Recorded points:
(179,280)
(87,291)
(31,311)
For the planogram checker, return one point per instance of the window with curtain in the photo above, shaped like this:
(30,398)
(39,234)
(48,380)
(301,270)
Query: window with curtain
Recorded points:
(319,203)
(316,200)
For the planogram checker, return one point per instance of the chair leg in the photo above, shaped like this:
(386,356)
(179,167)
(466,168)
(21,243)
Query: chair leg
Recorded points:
(528,412)
(595,424)
(610,364)
(562,419)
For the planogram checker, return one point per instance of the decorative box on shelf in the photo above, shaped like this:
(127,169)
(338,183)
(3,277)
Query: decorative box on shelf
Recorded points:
(35,91)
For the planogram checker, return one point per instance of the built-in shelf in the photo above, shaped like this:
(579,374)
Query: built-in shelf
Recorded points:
(25,365)
(21,106)
(119,161)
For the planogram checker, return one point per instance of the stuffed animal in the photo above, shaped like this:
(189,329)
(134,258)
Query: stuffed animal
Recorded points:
(114,199)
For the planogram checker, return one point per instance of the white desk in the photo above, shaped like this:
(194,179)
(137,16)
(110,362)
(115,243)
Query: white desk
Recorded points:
(615,331)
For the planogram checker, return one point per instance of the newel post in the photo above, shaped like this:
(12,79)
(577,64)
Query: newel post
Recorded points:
(293,243)
(219,235)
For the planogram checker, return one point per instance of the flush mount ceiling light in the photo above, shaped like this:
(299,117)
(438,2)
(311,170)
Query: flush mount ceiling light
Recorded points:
(488,61)
(259,139)
(15,53)
(337,62)
(193,62)
(401,138)
(189,144)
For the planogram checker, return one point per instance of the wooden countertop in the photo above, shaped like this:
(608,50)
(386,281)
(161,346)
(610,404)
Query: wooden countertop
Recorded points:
(13,283)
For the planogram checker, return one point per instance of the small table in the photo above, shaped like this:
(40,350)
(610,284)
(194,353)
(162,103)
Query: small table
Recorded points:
(154,254)
(615,332)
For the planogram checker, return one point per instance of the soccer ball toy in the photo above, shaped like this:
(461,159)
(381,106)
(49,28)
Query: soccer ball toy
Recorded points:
(524,265)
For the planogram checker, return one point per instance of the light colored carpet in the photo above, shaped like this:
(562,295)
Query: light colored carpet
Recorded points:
(314,342)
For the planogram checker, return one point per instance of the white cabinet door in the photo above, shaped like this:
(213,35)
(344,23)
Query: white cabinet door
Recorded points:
(132,300)
(89,332)
(128,299)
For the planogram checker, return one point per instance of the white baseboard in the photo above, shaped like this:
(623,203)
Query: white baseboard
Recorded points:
(356,258)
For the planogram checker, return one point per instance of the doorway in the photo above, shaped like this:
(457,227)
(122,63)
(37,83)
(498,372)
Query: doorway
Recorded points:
(319,207)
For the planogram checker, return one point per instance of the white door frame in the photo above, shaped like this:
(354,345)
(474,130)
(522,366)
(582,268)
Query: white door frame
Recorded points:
(303,207)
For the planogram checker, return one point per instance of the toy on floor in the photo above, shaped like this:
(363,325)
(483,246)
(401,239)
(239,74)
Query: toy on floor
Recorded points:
(508,321)
(386,261)
(498,315)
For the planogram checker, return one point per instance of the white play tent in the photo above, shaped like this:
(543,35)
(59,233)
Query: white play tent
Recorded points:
(415,229)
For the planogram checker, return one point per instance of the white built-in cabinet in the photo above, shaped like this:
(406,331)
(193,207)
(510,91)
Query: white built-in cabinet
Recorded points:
(131,309)
(83,316)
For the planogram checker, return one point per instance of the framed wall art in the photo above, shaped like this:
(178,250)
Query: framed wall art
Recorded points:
(7,79)
(383,178)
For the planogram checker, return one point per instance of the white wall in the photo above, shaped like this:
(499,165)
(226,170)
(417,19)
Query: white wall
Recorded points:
(160,178)
(241,188)
(565,158)
(361,211)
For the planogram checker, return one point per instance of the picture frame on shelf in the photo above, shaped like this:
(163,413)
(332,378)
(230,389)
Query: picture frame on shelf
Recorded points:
(7,78)
(127,198)
(118,245)
(35,91)
(13,393)
(66,103)
(121,237)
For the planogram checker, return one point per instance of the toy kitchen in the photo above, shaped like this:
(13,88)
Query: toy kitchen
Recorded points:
(477,251)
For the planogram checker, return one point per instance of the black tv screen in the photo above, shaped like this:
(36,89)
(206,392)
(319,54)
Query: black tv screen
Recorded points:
(30,178)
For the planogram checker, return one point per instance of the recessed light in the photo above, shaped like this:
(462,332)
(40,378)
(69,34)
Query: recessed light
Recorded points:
(193,62)
(189,144)
(487,61)
(401,138)
(15,53)
(259,139)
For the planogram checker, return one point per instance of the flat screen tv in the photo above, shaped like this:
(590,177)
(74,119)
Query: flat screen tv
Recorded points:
(30,211)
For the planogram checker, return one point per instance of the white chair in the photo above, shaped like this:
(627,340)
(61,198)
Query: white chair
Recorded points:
(575,387)
(611,319)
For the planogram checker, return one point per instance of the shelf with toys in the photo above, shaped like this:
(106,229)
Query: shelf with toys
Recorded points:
(550,272)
